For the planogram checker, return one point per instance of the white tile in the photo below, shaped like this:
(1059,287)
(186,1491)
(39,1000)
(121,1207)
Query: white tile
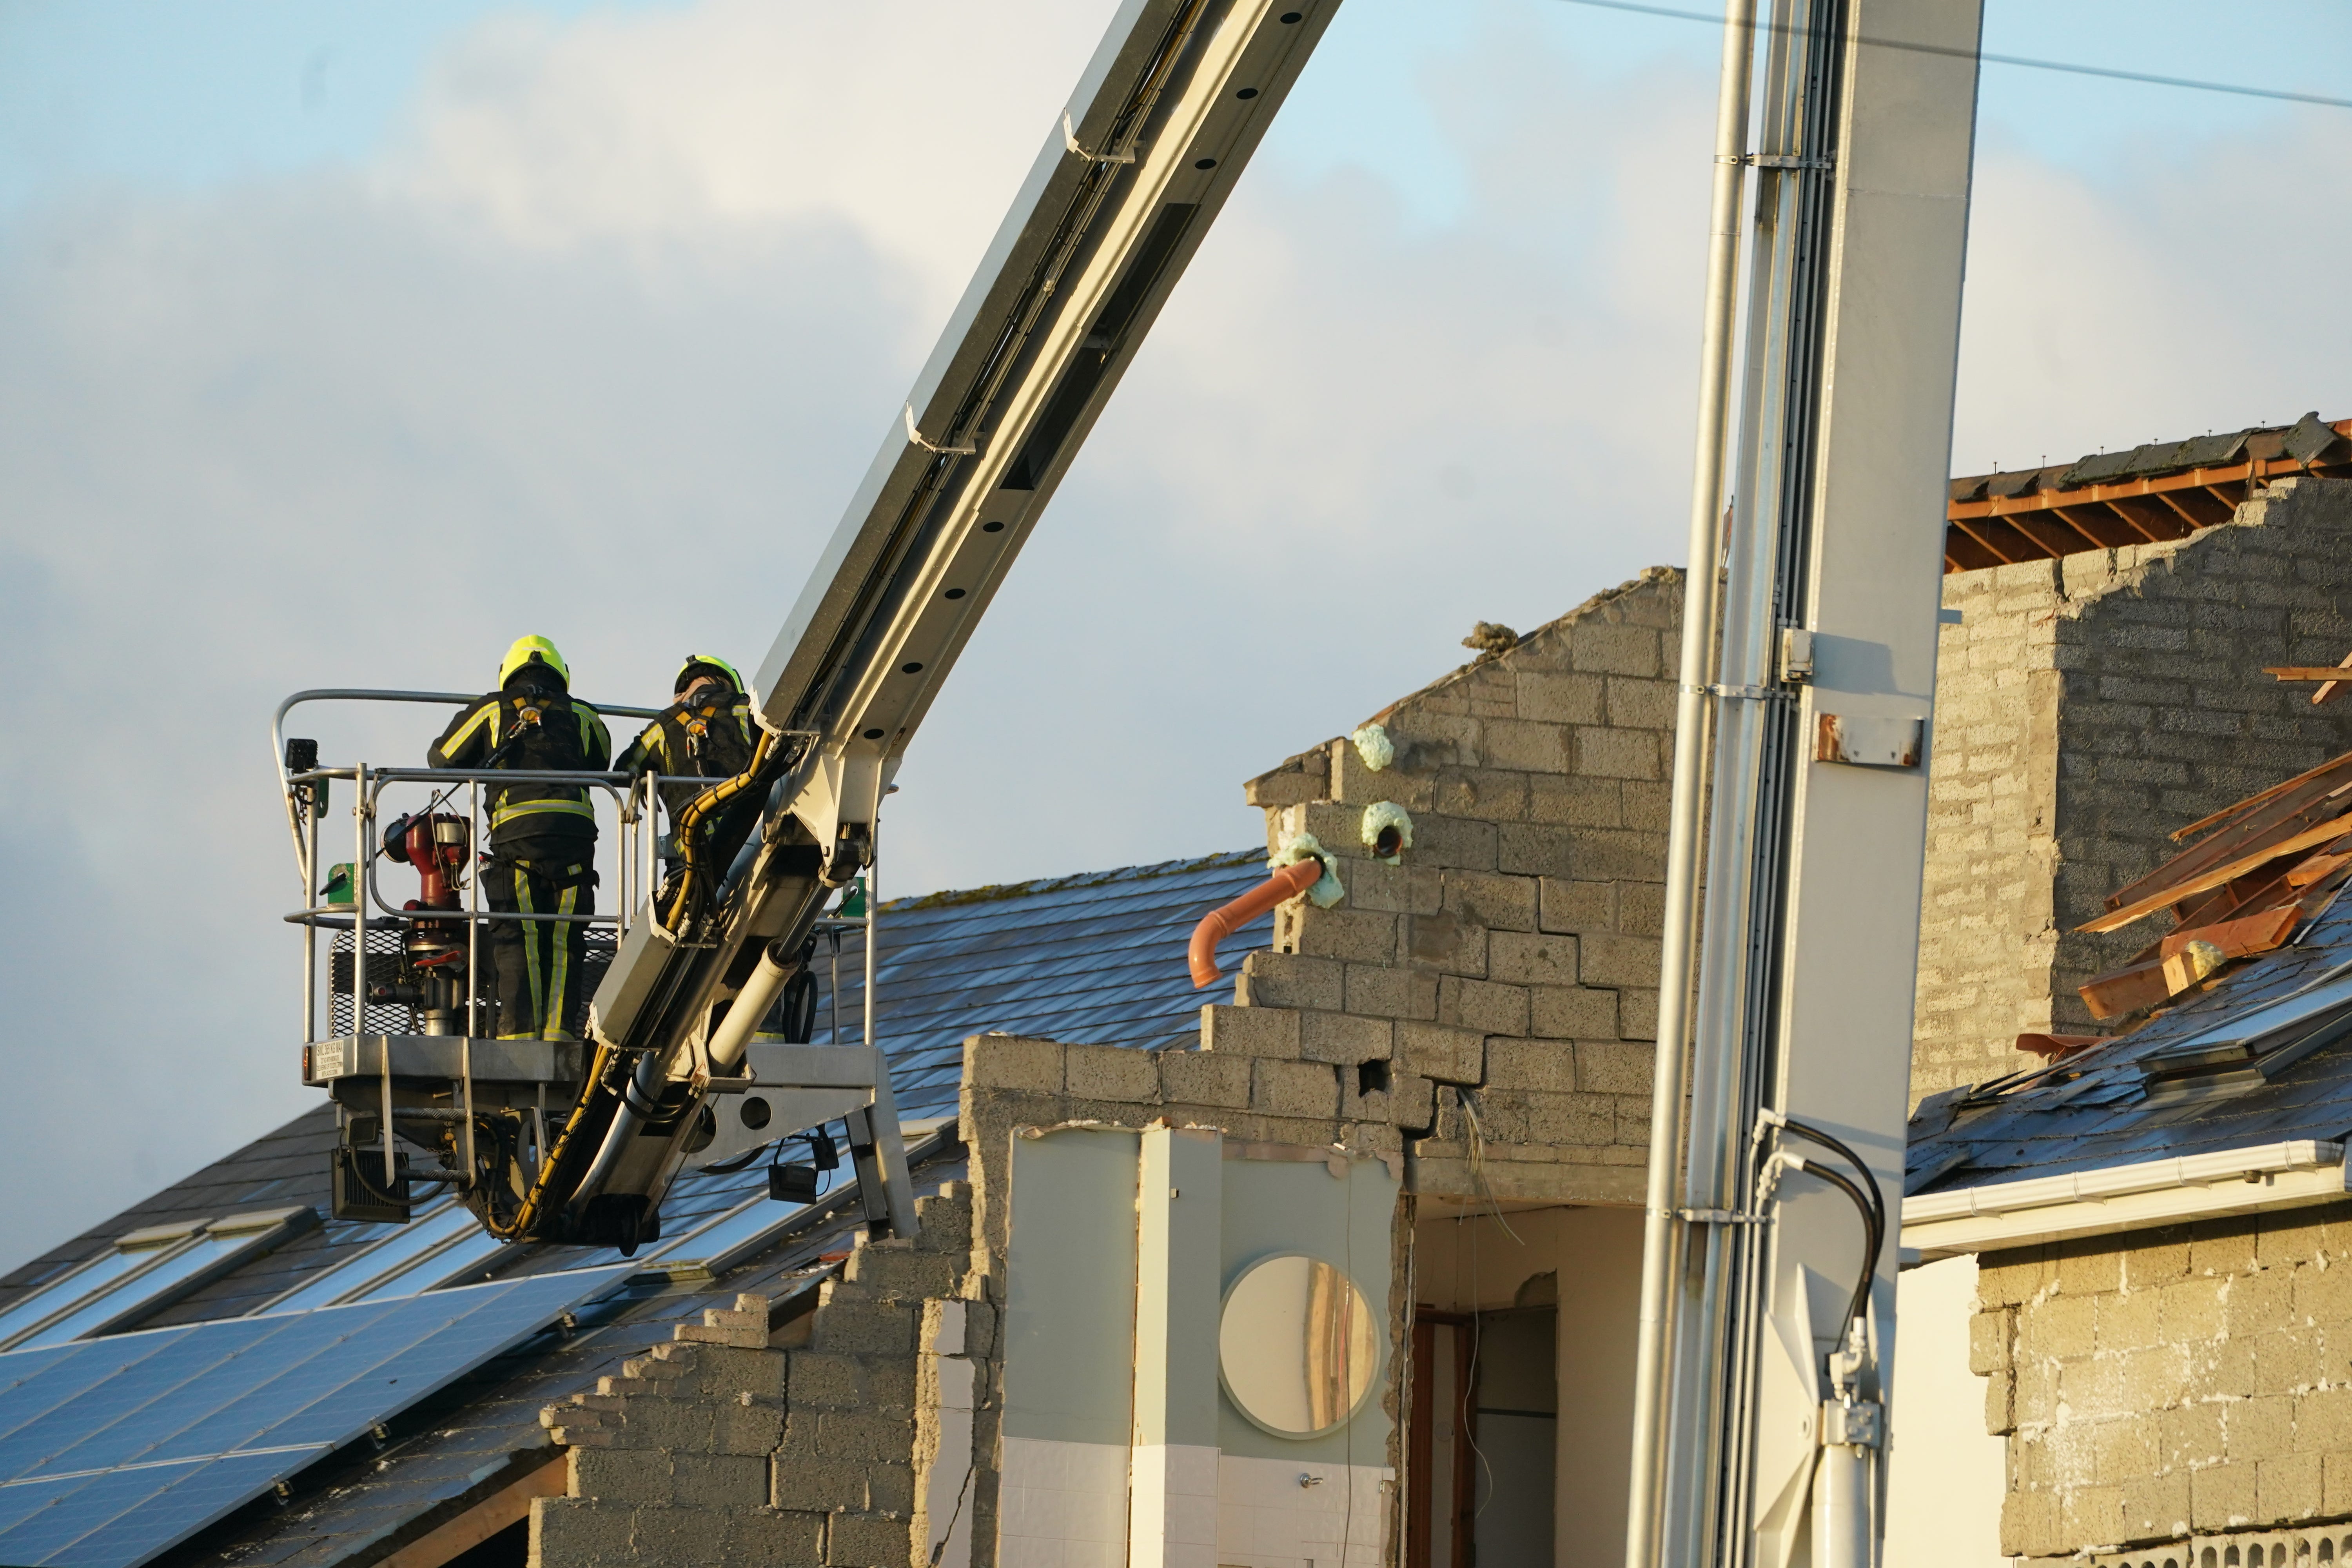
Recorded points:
(1191,1520)
(1193,1469)
(950,1339)
(1015,1513)
(1026,1461)
(955,1381)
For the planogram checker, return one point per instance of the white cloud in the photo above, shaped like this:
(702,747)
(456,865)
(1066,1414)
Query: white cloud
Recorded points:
(908,122)
(2184,293)
(602,346)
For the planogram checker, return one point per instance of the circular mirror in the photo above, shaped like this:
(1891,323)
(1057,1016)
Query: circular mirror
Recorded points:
(1298,1345)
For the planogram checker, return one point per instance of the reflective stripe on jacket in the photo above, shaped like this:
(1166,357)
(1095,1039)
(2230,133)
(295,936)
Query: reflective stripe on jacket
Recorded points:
(549,732)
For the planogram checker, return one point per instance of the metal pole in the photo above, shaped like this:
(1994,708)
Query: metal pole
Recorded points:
(1663,1233)
(465,1088)
(474,910)
(310,928)
(873,905)
(363,874)
(359,904)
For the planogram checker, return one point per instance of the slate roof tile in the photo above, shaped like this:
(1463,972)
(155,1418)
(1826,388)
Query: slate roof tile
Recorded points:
(1097,958)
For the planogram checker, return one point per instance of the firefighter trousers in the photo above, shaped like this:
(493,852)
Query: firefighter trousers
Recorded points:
(537,963)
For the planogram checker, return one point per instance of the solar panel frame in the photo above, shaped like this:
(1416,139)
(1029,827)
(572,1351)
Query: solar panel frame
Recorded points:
(113,1450)
(97,1275)
(377,1265)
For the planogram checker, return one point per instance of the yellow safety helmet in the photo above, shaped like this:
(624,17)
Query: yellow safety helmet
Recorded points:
(533,650)
(706,660)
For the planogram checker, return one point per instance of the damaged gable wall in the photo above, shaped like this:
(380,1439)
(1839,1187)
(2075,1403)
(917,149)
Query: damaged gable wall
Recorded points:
(1498,985)
(2086,707)
(870,1432)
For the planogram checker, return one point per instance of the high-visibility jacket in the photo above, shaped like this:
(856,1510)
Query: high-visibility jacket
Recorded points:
(712,737)
(550,730)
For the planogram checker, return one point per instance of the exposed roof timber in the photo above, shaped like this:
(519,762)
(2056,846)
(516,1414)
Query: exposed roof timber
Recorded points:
(2036,515)
(504,1508)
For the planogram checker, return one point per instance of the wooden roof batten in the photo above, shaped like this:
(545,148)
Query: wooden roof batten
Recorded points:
(2000,519)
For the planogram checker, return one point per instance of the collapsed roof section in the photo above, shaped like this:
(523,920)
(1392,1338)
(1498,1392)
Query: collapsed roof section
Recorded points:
(2230,1015)
(2262,870)
(2166,489)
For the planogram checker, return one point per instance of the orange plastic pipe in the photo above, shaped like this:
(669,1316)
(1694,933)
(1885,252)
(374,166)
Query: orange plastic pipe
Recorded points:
(1221,924)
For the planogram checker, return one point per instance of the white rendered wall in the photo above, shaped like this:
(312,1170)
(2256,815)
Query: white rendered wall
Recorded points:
(1945,1474)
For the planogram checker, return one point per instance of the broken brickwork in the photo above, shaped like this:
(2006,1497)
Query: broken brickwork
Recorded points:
(2190,1381)
(789,1445)
(2086,707)
(863,1434)
(1496,990)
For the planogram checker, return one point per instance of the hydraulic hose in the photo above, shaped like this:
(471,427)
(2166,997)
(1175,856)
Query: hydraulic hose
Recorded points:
(1858,1309)
(1872,1206)
(535,1199)
(1861,1166)
(686,830)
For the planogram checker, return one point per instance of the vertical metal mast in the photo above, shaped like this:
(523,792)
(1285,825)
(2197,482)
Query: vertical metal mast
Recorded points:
(1808,677)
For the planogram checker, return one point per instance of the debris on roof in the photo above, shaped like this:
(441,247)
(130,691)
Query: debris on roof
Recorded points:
(2052,1047)
(2331,681)
(2165,489)
(1492,639)
(2229,1023)
(2263,868)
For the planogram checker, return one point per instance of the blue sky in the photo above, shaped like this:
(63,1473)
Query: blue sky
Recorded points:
(557,307)
(180,97)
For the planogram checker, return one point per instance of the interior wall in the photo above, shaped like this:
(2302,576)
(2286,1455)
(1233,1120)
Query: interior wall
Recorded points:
(1489,1262)
(1945,1474)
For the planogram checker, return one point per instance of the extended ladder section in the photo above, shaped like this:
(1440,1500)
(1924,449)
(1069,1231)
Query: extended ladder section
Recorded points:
(1808,677)
(1135,169)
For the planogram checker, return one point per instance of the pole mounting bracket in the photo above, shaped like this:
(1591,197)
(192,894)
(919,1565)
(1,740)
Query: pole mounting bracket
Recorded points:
(918,438)
(1070,140)
(1745,693)
(1779,161)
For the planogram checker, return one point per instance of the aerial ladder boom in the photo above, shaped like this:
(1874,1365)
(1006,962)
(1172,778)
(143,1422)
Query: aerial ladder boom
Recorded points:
(1132,175)
(1801,788)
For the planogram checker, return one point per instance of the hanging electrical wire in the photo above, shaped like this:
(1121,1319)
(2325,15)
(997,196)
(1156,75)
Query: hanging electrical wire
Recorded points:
(2025,62)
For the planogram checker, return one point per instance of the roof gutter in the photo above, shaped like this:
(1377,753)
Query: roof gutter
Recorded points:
(2123,1197)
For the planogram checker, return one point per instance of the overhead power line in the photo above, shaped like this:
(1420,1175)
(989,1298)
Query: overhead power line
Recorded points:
(2112,73)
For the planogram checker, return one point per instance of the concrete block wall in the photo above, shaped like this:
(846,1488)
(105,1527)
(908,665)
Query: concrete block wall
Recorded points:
(865,1432)
(2190,1381)
(801,1446)
(1502,979)
(2086,707)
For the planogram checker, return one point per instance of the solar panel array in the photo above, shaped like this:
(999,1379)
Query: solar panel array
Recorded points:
(113,1450)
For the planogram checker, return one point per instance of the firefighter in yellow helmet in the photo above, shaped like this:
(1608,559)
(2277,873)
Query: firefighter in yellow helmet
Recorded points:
(542,848)
(706,734)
